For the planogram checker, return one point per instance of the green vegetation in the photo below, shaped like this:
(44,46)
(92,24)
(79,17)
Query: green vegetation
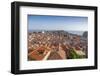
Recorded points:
(30,58)
(74,55)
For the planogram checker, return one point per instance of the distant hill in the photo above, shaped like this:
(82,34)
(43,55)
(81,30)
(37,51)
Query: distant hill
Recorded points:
(85,34)
(76,32)
(64,32)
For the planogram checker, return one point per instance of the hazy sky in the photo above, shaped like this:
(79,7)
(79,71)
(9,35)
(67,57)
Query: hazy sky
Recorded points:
(47,22)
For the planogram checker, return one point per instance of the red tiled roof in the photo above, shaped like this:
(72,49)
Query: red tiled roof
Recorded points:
(77,48)
(36,56)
